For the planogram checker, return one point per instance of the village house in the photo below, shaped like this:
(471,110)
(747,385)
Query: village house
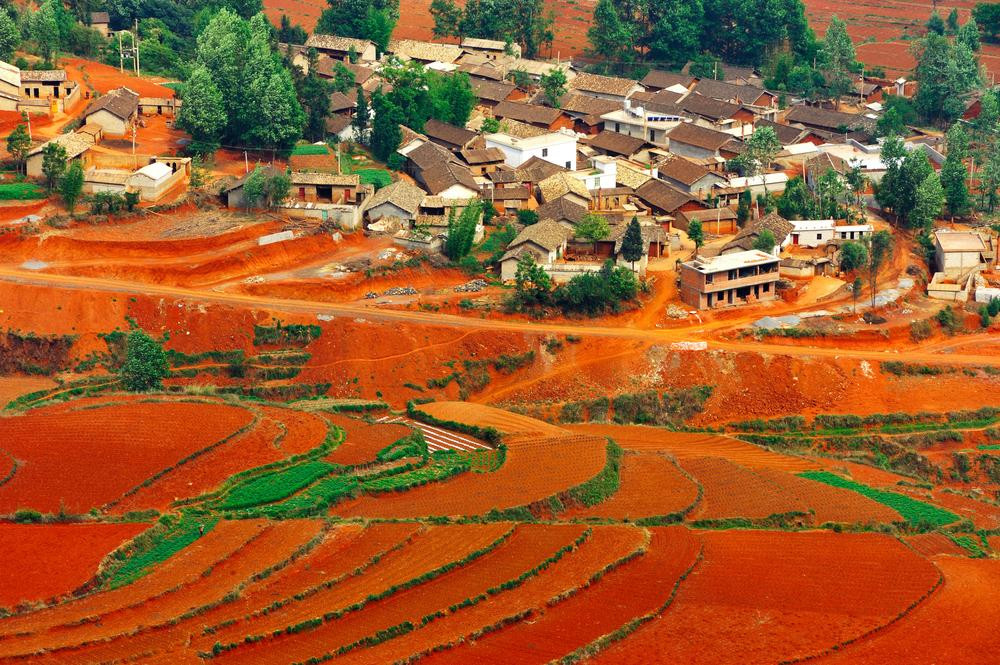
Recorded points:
(689,177)
(492,93)
(828,121)
(714,221)
(343,48)
(665,200)
(339,127)
(606,87)
(508,200)
(760,101)
(168,106)
(398,202)
(787,134)
(564,185)
(492,48)
(543,117)
(647,121)
(657,79)
(154,180)
(811,232)
(449,180)
(545,241)
(957,253)
(449,136)
(745,240)
(617,145)
(720,115)
(815,167)
(425,52)
(319,187)
(481,161)
(51,86)
(536,69)
(555,147)
(101,22)
(77,148)
(565,211)
(693,141)
(729,279)
(116,112)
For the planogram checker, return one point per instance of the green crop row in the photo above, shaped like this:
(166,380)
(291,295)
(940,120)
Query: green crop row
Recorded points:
(274,486)
(159,547)
(913,511)
(605,483)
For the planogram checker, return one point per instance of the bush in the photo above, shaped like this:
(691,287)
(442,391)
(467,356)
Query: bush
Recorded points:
(145,363)
(920,330)
(527,217)
(27,516)
(948,320)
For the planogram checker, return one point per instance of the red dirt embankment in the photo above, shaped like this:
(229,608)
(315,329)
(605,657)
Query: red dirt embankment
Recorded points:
(78,460)
(101,77)
(40,561)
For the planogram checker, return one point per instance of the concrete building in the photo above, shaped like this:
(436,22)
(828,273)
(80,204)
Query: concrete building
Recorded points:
(810,232)
(557,148)
(648,124)
(957,253)
(729,279)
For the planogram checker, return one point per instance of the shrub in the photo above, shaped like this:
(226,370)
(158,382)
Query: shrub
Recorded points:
(920,330)
(27,516)
(948,320)
(145,363)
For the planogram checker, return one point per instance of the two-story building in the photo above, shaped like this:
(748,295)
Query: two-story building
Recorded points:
(557,148)
(729,279)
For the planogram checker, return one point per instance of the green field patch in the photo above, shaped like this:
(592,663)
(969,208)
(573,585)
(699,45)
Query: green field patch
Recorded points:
(275,486)
(989,446)
(444,464)
(159,548)
(912,510)
(310,149)
(20,191)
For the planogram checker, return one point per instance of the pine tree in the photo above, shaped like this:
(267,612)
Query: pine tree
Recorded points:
(935,24)
(360,120)
(954,174)
(632,244)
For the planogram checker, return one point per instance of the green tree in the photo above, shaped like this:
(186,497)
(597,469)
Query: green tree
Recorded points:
(830,189)
(890,122)
(968,34)
(254,187)
(532,285)
(527,217)
(203,114)
(632,243)
(928,202)
(879,246)
(594,228)
(696,233)
(53,163)
(18,144)
(797,202)
(611,35)
(360,120)
(759,154)
(277,188)
(946,71)
(314,93)
(706,66)
(452,98)
(853,256)
(145,363)
(764,242)
(840,57)
(386,135)
(447,17)
(951,26)
(856,287)
(352,18)
(462,231)
(72,185)
(44,30)
(676,31)
(954,174)
(490,126)
(935,24)
(743,207)
(987,15)
(858,182)
(10,36)
(554,86)
(379,24)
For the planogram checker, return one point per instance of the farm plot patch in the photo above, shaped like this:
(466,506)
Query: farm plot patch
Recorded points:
(912,510)
(77,460)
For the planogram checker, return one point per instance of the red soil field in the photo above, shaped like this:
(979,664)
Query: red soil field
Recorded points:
(983,515)
(344,549)
(764,597)
(640,587)
(731,490)
(691,446)
(488,416)
(606,545)
(271,547)
(181,569)
(40,561)
(102,78)
(363,440)
(650,485)
(83,459)
(436,547)
(831,504)
(535,469)
(12,387)
(529,545)
(930,544)
(957,624)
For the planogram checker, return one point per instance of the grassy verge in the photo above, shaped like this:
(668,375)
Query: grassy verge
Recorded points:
(604,484)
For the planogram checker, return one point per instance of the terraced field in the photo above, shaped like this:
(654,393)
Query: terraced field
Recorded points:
(267,552)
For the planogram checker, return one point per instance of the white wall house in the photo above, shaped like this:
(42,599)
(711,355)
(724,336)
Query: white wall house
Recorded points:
(853,231)
(602,175)
(810,233)
(635,121)
(557,148)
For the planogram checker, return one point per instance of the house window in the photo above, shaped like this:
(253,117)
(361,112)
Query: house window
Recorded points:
(569,165)
(545,152)
(652,135)
(708,278)
(618,127)
(819,236)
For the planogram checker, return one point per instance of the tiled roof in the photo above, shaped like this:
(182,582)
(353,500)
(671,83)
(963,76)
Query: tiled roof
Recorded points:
(706,107)
(562,209)
(447,174)
(660,195)
(786,134)
(730,92)
(99,18)
(429,155)
(546,233)
(818,165)
(660,79)
(74,143)
(402,194)
(120,102)
(631,176)
(43,75)
(337,123)
(337,43)
(484,44)
(775,223)
(341,102)
(530,113)
(426,51)
(608,85)
(311,178)
(702,137)
(825,119)
(537,169)
(561,184)
(450,134)
(482,156)
(578,103)
(492,91)
(682,170)
(617,144)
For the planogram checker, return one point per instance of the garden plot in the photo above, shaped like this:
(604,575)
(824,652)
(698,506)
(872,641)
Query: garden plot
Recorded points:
(437,438)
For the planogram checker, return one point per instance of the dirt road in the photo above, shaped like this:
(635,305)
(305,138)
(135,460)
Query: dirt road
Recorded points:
(700,332)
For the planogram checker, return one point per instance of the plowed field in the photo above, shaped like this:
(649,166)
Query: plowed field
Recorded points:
(535,469)
(930,544)
(40,561)
(487,416)
(763,597)
(82,459)
(650,485)
(363,441)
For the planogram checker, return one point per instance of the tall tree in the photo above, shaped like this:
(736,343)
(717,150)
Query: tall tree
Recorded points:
(879,246)
(954,174)
(72,185)
(968,34)
(946,72)
(18,144)
(360,120)
(145,364)
(254,187)
(675,34)
(760,151)
(610,35)
(203,114)
(839,56)
(44,29)
(929,200)
(951,25)
(696,233)
(351,18)
(987,14)
(53,163)
(935,24)
(447,17)
(593,227)
(554,86)
(632,243)
(452,97)
(386,135)
(10,36)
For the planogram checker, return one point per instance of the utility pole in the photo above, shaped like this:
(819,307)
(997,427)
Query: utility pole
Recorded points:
(121,54)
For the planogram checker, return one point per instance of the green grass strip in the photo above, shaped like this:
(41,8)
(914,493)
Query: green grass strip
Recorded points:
(275,486)
(185,532)
(916,512)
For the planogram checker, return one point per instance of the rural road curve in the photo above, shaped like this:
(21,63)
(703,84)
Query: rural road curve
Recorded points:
(659,336)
